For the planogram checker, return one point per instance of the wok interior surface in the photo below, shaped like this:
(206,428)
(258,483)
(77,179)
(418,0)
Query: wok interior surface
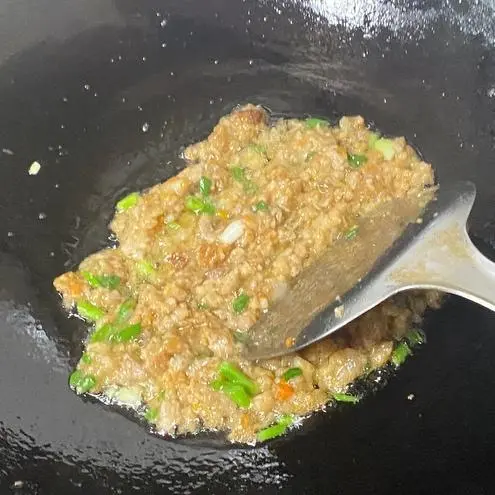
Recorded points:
(104,97)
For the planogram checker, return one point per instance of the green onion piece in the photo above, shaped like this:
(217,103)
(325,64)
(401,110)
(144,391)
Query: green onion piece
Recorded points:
(202,306)
(232,374)
(415,337)
(173,225)
(145,268)
(236,393)
(86,358)
(205,185)
(279,428)
(127,202)
(91,279)
(313,122)
(351,233)
(353,399)
(125,311)
(260,206)
(194,204)
(103,333)
(238,174)
(109,281)
(385,147)
(310,155)
(374,137)
(106,281)
(241,337)
(400,353)
(198,205)
(151,414)
(356,161)
(259,148)
(126,334)
(292,373)
(208,208)
(81,383)
(89,311)
(240,303)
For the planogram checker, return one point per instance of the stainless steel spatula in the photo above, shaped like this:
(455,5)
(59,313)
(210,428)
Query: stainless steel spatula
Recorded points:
(396,247)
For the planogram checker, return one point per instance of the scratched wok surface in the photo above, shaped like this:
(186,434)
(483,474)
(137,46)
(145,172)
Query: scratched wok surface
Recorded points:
(103,94)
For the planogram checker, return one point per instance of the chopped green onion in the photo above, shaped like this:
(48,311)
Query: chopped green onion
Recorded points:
(259,148)
(208,208)
(81,383)
(353,399)
(356,161)
(232,374)
(127,202)
(238,173)
(125,311)
(86,358)
(279,428)
(126,334)
(292,373)
(194,204)
(202,306)
(241,337)
(240,303)
(310,155)
(236,393)
(351,233)
(374,137)
(199,206)
(103,333)
(106,281)
(89,311)
(260,206)
(415,337)
(386,147)
(400,353)
(205,185)
(151,414)
(313,122)
(145,268)
(173,225)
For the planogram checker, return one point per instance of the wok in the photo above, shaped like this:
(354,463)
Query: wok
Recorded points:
(103,94)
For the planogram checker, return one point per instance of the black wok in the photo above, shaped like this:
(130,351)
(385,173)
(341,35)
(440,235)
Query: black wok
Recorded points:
(103,94)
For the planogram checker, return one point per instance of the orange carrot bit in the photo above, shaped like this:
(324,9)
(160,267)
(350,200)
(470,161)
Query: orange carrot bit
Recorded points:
(284,391)
(245,420)
(289,342)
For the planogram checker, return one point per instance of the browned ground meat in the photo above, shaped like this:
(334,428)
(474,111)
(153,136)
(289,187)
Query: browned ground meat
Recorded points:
(201,255)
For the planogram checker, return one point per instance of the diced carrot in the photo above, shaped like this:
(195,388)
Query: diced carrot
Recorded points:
(70,285)
(245,420)
(289,342)
(284,391)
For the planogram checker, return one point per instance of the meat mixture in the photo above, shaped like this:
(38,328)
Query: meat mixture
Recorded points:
(201,256)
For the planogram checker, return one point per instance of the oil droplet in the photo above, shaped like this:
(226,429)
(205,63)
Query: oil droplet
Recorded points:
(87,87)
(163,23)
(42,215)
(145,127)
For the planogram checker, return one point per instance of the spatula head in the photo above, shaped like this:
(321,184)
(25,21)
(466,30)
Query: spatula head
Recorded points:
(314,305)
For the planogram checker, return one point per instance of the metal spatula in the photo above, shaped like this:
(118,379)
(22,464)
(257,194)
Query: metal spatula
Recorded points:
(396,247)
